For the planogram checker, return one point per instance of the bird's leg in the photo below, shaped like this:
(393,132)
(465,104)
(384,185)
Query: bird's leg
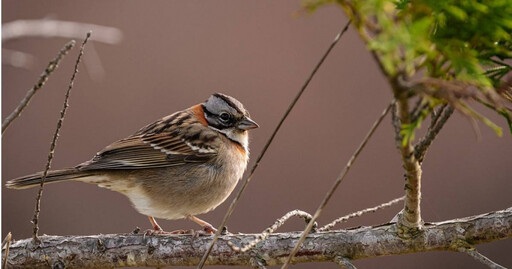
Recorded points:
(156,227)
(207,227)
(158,230)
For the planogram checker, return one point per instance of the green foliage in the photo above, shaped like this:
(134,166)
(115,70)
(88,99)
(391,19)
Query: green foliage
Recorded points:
(465,44)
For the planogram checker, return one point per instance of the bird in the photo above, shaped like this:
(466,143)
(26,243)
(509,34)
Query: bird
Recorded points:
(177,167)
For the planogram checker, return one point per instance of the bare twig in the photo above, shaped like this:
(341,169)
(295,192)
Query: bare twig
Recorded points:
(344,263)
(480,257)
(7,244)
(35,219)
(246,182)
(438,122)
(329,226)
(418,108)
(129,250)
(52,65)
(436,114)
(299,213)
(337,182)
(57,28)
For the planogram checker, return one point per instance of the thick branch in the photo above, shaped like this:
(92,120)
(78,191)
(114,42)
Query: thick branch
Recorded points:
(158,251)
(410,217)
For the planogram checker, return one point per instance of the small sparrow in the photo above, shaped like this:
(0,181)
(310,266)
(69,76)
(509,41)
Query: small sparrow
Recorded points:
(180,166)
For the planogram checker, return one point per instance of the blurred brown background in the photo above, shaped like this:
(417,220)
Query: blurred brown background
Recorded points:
(175,54)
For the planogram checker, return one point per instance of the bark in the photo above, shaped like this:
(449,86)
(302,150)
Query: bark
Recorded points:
(122,250)
(411,215)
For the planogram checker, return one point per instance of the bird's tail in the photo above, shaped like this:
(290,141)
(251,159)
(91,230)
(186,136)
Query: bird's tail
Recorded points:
(33,180)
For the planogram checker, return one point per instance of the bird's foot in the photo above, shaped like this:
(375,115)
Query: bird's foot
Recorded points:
(209,229)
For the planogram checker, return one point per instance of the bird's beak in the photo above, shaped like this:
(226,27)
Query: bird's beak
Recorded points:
(247,124)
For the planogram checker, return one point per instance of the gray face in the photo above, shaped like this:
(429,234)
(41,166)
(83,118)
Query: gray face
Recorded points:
(224,112)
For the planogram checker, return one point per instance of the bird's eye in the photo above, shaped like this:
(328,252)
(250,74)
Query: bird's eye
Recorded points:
(225,117)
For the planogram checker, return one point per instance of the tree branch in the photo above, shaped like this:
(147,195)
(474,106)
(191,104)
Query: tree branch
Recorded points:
(410,217)
(52,65)
(118,250)
(481,258)
(337,182)
(359,213)
(35,219)
(269,141)
(438,121)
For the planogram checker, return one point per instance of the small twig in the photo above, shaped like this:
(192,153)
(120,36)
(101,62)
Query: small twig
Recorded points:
(35,219)
(329,226)
(418,108)
(246,182)
(438,122)
(7,244)
(480,257)
(344,263)
(436,114)
(299,213)
(52,65)
(337,182)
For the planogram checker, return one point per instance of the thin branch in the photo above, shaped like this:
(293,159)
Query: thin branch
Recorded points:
(290,107)
(299,213)
(52,65)
(56,28)
(438,122)
(7,244)
(129,250)
(481,258)
(35,219)
(329,226)
(344,263)
(418,109)
(436,114)
(337,182)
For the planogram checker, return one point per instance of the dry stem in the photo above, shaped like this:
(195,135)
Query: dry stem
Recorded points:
(52,65)
(299,213)
(290,107)
(337,182)
(438,121)
(120,250)
(480,257)
(329,226)
(35,219)
(7,244)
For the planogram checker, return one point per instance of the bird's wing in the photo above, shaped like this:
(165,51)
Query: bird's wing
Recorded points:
(169,146)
